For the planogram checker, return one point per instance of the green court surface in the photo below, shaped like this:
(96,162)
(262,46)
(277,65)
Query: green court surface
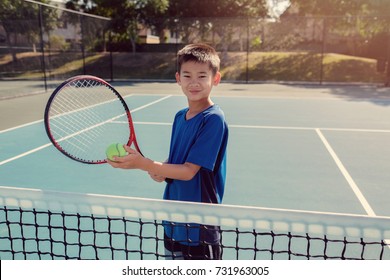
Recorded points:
(317,148)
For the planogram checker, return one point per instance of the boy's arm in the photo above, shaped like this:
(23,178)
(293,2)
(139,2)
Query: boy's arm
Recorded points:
(184,172)
(156,177)
(134,160)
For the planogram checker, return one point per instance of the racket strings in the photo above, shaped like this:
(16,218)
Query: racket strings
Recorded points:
(70,124)
(85,117)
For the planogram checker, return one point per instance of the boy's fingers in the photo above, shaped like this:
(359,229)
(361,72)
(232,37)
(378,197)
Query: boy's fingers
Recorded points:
(129,150)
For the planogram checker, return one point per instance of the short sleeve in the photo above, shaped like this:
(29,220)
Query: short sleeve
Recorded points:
(204,151)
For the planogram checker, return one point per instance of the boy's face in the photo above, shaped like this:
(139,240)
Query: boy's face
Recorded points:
(197,80)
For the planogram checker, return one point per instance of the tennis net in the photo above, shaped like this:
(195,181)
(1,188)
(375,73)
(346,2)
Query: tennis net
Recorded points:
(36,224)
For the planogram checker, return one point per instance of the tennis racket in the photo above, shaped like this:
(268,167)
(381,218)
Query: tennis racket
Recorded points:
(84,115)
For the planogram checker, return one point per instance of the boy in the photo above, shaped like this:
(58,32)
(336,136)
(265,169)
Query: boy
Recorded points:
(196,167)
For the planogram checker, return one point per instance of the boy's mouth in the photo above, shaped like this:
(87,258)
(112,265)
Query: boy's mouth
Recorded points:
(194,91)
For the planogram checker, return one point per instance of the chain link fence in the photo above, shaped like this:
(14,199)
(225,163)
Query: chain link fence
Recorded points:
(52,44)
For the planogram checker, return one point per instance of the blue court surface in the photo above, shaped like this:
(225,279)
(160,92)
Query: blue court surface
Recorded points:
(319,148)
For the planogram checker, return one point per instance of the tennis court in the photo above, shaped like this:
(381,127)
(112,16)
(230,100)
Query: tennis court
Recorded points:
(298,147)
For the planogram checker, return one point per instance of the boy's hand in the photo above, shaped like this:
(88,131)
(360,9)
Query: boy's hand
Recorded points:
(157,178)
(134,160)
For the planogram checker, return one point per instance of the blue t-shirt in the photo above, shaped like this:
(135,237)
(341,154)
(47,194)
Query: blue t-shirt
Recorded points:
(201,140)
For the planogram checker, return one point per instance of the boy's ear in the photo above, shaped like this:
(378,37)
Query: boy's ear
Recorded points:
(178,78)
(217,78)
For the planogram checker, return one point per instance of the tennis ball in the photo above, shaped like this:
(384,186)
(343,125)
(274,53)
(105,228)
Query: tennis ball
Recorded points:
(115,149)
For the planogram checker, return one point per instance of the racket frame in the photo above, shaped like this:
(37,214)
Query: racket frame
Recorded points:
(132,137)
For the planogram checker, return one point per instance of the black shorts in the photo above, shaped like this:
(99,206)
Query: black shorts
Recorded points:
(177,251)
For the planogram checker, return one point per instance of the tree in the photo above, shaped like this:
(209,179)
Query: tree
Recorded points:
(360,20)
(219,18)
(21,18)
(176,15)
(126,15)
(217,8)
(369,19)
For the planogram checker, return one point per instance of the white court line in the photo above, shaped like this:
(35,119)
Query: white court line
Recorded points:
(284,127)
(49,144)
(340,165)
(153,123)
(38,121)
(151,103)
(347,176)
(240,126)
(370,212)
(20,126)
(25,154)
(310,128)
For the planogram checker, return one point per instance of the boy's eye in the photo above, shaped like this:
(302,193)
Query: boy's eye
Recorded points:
(188,76)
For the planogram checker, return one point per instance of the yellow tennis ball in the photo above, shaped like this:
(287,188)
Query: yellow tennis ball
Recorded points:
(115,149)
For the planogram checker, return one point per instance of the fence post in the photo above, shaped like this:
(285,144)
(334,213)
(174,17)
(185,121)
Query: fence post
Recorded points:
(82,43)
(111,57)
(387,70)
(40,19)
(324,21)
(247,49)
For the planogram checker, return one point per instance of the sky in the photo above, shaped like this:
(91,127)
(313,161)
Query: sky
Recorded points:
(277,9)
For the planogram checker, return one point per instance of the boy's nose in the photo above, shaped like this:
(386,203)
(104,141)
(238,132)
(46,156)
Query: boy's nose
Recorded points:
(194,83)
